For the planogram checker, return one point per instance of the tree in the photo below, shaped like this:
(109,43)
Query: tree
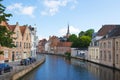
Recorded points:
(84,41)
(82,33)
(5,35)
(73,38)
(89,32)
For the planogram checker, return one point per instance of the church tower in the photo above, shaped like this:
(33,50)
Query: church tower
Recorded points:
(68,32)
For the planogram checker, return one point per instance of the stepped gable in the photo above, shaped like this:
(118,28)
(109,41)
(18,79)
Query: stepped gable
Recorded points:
(105,29)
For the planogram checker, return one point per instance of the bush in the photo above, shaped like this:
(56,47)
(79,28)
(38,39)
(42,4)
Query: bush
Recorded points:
(68,54)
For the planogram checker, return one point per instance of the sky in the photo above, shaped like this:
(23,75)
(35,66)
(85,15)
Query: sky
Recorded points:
(51,17)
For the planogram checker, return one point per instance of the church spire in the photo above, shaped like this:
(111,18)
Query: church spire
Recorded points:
(68,32)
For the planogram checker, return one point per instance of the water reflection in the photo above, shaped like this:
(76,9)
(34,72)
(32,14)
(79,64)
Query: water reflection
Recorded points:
(103,73)
(59,68)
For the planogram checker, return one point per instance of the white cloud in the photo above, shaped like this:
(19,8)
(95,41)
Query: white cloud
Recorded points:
(20,9)
(73,30)
(52,6)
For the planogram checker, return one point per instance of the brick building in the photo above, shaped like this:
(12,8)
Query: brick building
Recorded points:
(22,42)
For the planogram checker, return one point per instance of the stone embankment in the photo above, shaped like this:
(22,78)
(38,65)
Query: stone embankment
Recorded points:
(19,71)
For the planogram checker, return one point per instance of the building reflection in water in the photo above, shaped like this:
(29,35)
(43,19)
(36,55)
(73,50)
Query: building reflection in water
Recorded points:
(101,72)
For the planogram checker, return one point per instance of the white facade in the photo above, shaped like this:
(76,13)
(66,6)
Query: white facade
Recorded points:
(47,47)
(93,54)
(33,41)
(79,53)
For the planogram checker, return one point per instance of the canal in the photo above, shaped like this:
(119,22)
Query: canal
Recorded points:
(59,68)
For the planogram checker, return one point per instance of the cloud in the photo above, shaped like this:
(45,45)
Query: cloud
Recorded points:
(73,30)
(20,9)
(52,6)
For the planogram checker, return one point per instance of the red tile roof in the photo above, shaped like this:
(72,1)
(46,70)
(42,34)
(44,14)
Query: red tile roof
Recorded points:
(105,29)
(22,29)
(12,27)
(64,44)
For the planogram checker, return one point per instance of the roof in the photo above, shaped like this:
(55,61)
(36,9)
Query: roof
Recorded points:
(22,29)
(114,33)
(64,44)
(12,27)
(4,23)
(105,29)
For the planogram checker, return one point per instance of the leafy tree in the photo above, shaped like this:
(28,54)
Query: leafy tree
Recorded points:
(73,38)
(89,32)
(82,33)
(5,35)
(84,41)
(3,15)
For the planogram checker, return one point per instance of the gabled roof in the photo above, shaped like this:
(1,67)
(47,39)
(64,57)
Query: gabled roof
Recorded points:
(64,44)
(105,29)
(12,27)
(4,23)
(22,29)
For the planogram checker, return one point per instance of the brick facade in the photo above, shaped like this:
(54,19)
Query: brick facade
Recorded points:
(22,42)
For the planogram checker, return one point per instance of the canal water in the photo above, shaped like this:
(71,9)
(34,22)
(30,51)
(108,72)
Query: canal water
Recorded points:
(59,68)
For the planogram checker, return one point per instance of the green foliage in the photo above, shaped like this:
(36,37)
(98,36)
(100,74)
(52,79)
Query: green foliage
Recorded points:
(83,40)
(73,38)
(89,32)
(3,15)
(81,33)
(68,54)
(5,35)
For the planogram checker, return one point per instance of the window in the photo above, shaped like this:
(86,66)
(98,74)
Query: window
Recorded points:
(104,55)
(116,45)
(29,45)
(104,45)
(6,54)
(109,44)
(17,55)
(24,44)
(20,45)
(101,45)
(109,53)
(116,58)
(100,54)
(96,53)
(16,44)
